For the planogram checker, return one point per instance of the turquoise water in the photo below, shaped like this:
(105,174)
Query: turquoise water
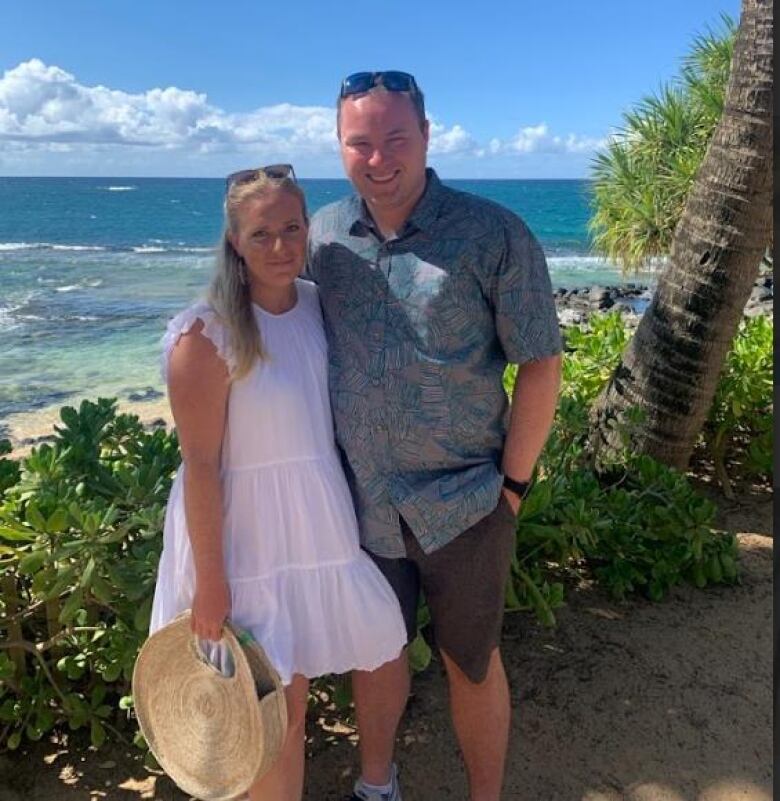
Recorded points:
(92,268)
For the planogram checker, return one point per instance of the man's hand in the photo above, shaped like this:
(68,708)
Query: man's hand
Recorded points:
(513,500)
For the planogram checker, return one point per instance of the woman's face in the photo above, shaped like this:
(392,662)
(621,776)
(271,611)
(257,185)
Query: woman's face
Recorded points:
(270,235)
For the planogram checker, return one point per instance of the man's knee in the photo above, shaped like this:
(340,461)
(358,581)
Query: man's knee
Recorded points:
(473,675)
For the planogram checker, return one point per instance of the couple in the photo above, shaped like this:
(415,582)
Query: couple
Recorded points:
(417,298)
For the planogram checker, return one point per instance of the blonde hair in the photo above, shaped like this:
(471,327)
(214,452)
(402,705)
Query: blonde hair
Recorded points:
(228,293)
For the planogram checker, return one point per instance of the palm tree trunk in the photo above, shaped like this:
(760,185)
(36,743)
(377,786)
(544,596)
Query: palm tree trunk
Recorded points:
(671,366)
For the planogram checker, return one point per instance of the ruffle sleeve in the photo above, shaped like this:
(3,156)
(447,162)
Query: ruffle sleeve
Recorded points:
(213,329)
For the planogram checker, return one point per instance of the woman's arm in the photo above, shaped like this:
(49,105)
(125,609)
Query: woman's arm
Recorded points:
(198,388)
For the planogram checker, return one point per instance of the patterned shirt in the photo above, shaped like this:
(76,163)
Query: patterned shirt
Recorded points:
(420,328)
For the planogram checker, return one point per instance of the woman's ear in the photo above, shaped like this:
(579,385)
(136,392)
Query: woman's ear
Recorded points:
(232,239)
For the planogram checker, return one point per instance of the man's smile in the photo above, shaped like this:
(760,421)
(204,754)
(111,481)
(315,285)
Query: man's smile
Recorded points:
(382,179)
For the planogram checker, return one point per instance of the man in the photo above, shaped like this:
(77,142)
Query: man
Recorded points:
(427,293)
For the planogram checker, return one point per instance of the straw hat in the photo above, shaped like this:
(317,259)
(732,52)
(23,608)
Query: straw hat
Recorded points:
(214,735)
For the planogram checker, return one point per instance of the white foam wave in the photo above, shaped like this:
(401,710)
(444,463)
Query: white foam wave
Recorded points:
(8,246)
(68,288)
(20,245)
(595,263)
(149,249)
(582,262)
(119,188)
(77,247)
(8,317)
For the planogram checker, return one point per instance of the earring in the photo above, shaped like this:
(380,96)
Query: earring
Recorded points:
(242,272)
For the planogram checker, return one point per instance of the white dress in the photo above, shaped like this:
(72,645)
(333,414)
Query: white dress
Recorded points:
(298,579)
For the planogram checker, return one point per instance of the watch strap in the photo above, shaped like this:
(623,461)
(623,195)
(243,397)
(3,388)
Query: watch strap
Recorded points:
(520,488)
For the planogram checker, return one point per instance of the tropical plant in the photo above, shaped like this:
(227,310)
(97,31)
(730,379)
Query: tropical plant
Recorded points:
(671,366)
(643,176)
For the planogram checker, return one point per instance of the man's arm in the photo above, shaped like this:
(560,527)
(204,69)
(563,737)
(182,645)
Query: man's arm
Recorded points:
(534,400)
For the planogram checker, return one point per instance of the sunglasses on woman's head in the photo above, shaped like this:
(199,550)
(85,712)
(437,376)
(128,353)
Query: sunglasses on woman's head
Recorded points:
(392,80)
(276,172)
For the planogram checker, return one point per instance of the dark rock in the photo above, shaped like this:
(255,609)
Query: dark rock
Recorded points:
(146,394)
(38,440)
(597,293)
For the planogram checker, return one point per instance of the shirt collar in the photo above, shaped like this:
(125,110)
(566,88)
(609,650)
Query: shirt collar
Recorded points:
(423,215)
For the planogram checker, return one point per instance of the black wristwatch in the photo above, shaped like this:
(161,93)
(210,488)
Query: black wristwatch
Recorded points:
(520,488)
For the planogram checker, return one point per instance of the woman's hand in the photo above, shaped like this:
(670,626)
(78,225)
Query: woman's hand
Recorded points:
(210,608)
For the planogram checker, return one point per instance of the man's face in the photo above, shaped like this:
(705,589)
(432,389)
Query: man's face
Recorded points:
(384,150)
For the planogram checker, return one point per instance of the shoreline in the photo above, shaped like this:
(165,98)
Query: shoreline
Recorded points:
(30,428)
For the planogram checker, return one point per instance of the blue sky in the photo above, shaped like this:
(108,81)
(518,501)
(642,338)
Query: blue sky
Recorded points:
(522,89)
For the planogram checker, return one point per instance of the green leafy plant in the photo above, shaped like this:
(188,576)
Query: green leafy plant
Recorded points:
(80,537)
(741,418)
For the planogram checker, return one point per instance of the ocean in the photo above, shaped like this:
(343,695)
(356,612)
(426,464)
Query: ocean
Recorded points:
(93,267)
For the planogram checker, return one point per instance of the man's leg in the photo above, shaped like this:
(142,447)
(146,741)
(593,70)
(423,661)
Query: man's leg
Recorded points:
(480,715)
(380,698)
(464,583)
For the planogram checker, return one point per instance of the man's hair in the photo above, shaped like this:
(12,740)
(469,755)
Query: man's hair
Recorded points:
(416,97)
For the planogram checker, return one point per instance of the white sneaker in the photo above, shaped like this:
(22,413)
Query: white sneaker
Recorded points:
(365,793)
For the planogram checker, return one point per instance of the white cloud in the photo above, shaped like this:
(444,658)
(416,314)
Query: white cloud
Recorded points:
(538,139)
(45,104)
(46,110)
(448,142)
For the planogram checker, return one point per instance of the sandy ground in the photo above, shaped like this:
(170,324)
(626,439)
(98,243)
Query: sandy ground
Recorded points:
(27,429)
(622,702)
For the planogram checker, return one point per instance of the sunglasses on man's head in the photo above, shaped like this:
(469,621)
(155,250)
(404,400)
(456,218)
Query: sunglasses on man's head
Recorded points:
(392,80)
(276,172)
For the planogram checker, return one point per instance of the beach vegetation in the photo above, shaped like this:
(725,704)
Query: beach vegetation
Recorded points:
(670,370)
(81,523)
(642,177)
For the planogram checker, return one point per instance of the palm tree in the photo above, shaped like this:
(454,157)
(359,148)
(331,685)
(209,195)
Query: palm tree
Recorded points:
(671,366)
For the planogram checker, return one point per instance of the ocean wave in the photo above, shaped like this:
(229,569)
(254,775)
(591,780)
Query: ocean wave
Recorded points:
(8,246)
(92,283)
(77,247)
(156,246)
(20,245)
(592,262)
(119,188)
(585,262)
(8,317)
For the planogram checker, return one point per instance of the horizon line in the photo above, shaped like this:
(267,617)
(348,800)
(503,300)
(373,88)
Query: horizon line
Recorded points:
(221,178)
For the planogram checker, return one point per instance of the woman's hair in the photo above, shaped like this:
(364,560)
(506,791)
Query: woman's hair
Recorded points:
(228,293)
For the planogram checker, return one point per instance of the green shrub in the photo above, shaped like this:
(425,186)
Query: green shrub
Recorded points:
(638,526)
(81,533)
(740,423)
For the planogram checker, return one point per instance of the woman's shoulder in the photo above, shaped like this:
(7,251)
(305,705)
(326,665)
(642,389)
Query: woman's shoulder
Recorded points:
(307,290)
(199,316)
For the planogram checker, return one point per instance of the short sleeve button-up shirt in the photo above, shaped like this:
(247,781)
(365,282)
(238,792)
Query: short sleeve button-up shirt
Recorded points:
(420,329)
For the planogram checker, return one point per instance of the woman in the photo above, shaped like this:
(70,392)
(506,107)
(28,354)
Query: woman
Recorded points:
(260,526)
